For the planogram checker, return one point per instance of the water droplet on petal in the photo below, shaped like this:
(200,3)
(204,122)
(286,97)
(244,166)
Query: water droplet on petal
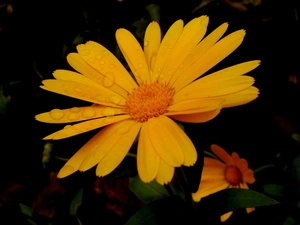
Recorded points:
(73,116)
(109,79)
(108,112)
(91,60)
(104,52)
(100,98)
(67,127)
(75,110)
(99,57)
(101,62)
(56,114)
(114,99)
(122,130)
(111,66)
(146,43)
(88,113)
(76,126)
(84,52)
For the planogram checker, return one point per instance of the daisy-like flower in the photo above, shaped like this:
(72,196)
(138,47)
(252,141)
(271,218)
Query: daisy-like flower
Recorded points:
(163,87)
(233,172)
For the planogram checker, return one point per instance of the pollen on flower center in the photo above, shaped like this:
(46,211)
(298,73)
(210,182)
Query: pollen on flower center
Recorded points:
(148,101)
(233,175)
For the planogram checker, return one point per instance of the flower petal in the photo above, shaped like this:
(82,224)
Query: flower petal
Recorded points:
(191,34)
(165,173)
(76,114)
(202,105)
(248,176)
(213,56)
(112,141)
(213,87)
(241,97)
(147,158)
(93,75)
(107,64)
(249,210)
(79,128)
(169,142)
(210,162)
(81,91)
(225,216)
(221,154)
(242,165)
(235,158)
(134,55)
(199,50)
(209,187)
(197,117)
(168,43)
(213,173)
(151,43)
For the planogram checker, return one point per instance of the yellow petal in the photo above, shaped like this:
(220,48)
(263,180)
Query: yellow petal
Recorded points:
(147,158)
(241,97)
(213,56)
(89,72)
(221,154)
(79,128)
(225,216)
(191,34)
(168,43)
(212,87)
(134,55)
(209,187)
(165,173)
(249,210)
(171,143)
(107,64)
(84,92)
(197,117)
(151,43)
(76,114)
(212,173)
(210,162)
(201,105)
(199,50)
(112,141)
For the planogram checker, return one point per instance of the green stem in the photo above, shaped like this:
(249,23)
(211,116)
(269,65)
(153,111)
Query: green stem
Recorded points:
(131,155)
(210,154)
(185,187)
(169,189)
(263,168)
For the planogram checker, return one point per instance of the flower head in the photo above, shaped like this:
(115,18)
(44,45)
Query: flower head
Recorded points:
(233,172)
(163,87)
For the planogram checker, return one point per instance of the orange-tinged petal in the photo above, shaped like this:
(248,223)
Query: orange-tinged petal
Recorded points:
(191,34)
(212,173)
(116,137)
(211,87)
(248,176)
(165,136)
(151,43)
(209,187)
(242,165)
(197,117)
(134,55)
(107,64)
(165,173)
(235,158)
(89,72)
(225,216)
(221,154)
(147,158)
(168,43)
(79,128)
(240,98)
(205,104)
(76,114)
(84,92)
(118,149)
(213,56)
(249,210)
(210,162)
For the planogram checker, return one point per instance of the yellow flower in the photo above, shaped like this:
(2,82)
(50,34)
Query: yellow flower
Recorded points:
(216,175)
(164,87)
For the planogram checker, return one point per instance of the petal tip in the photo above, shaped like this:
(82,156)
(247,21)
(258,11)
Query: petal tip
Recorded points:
(66,171)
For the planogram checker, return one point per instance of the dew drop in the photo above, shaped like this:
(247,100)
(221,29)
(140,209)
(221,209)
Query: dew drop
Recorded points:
(140,66)
(76,126)
(146,43)
(88,113)
(99,57)
(91,60)
(104,53)
(67,127)
(108,111)
(75,110)
(111,66)
(73,116)
(122,130)
(114,99)
(109,80)
(101,62)
(84,52)
(56,114)
(100,98)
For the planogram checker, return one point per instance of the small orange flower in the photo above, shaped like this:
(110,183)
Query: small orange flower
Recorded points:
(216,175)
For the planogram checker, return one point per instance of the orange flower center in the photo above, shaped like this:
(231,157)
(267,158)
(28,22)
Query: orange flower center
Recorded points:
(233,175)
(148,101)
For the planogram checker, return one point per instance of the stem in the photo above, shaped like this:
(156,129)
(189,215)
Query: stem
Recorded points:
(131,155)
(263,168)
(185,187)
(210,154)
(169,189)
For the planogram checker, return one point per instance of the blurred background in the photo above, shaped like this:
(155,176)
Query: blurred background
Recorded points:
(35,38)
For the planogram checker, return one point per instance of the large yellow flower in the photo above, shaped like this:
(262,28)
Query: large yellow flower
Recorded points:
(164,87)
(216,175)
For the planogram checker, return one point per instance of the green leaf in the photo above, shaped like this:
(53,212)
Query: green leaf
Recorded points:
(274,190)
(236,198)
(147,192)
(296,168)
(76,202)
(170,210)
(26,210)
